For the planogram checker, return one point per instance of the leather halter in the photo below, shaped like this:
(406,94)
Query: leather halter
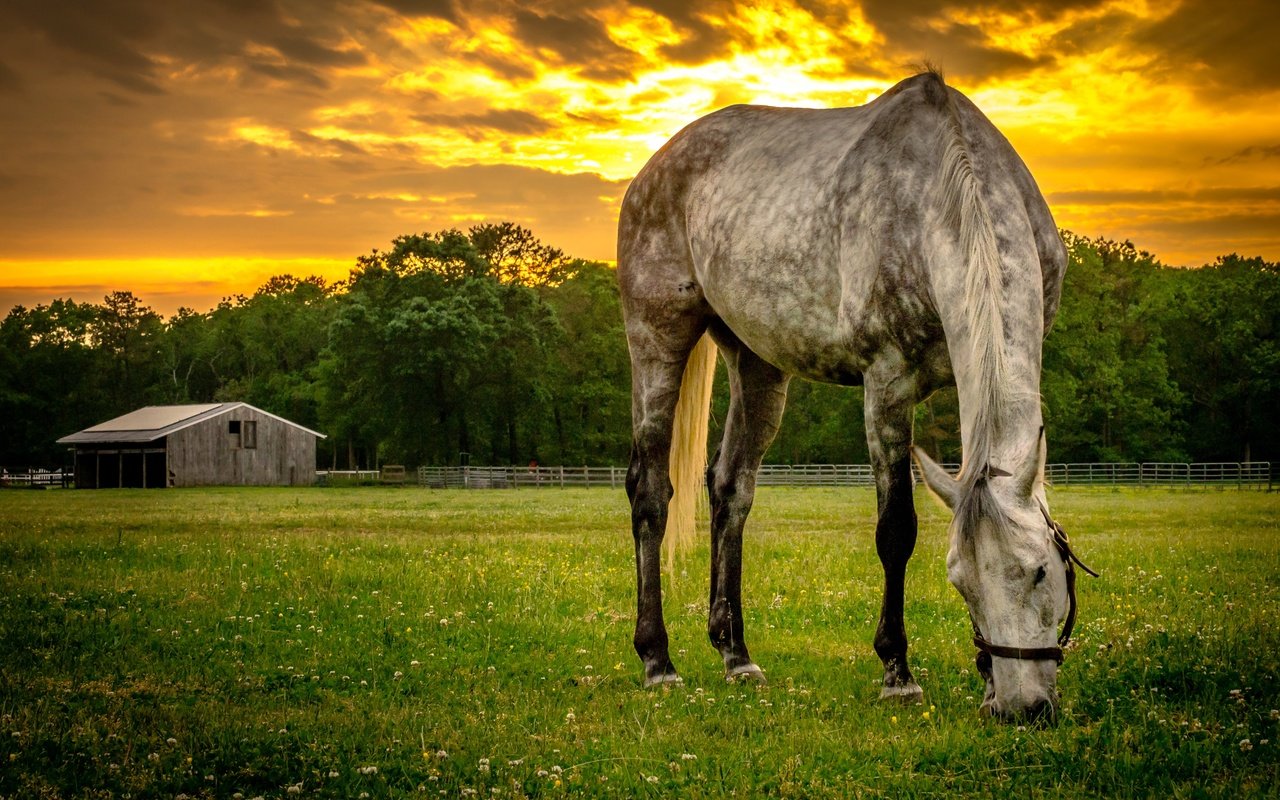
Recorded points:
(987,649)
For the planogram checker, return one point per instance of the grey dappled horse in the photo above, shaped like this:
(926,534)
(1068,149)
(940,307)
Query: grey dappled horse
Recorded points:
(901,245)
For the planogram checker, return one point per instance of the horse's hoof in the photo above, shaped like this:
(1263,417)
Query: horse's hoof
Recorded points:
(747,673)
(908,694)
(662,679)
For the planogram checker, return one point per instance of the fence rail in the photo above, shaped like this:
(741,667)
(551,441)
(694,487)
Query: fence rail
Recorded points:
(520,477)
(33,478)
(1220,473)
(1251,475)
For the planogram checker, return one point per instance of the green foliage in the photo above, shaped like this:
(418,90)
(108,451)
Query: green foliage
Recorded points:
(1224,350)
(590,371)
(52,377)
(1106,386)
(434,351)
(491,343)
(209,642)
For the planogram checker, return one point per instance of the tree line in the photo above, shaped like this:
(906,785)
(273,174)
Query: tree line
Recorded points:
(492,346)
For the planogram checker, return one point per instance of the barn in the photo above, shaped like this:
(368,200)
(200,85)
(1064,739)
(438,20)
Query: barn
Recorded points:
(213,444)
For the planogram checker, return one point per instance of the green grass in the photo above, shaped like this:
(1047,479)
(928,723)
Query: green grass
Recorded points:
(213,642)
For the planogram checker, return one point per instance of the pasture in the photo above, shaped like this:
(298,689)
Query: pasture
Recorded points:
(405,642)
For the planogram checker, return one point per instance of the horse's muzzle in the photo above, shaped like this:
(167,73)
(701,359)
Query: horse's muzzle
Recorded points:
(1040,713)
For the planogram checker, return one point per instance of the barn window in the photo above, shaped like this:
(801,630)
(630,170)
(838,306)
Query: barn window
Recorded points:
(233,430)
(249,434)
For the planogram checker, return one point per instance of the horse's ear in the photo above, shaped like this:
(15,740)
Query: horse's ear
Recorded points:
(937,479)
(1032,470)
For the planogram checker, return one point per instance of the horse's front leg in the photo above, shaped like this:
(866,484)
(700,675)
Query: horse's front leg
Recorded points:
(889,408)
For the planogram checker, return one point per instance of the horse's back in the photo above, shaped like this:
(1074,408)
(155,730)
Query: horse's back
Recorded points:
(793,223)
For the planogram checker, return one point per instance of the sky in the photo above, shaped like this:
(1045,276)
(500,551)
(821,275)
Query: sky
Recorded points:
(188,149)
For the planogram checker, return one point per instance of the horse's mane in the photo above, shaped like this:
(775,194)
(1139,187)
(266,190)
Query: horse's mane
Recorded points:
(964,209)
(987,379)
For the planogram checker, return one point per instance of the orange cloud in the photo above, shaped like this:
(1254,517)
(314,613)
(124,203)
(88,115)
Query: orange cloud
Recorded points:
(140,148)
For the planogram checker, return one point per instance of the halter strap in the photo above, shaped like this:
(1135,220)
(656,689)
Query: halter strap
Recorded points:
(1070,560)
(1023,653)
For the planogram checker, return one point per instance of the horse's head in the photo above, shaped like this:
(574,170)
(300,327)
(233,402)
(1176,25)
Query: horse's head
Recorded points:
(1014,569)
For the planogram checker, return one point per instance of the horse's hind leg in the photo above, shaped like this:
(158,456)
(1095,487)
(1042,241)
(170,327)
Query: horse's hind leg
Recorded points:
(889,408)
(758,394)
(660,342)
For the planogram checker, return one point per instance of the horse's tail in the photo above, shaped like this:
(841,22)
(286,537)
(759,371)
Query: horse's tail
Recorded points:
(689,447)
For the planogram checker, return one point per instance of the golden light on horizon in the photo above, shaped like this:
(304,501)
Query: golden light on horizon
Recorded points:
(310,135)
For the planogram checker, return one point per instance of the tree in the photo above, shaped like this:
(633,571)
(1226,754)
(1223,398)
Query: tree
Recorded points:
(1223,325)
(515,255)
(590,373)
(52,380)
(440,353)
(128,334)
(1105,382)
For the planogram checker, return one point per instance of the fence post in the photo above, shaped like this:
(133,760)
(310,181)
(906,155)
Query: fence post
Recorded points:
(586,476)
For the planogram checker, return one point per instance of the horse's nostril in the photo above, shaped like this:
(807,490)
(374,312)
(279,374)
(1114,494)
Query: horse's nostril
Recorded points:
(1042,712)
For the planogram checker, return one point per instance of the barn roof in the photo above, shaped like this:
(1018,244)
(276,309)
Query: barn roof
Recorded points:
(156,422)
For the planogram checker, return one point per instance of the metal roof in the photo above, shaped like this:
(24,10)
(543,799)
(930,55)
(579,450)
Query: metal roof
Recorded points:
(156,422)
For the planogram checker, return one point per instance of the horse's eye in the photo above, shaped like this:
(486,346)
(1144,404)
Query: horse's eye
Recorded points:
(1040,573)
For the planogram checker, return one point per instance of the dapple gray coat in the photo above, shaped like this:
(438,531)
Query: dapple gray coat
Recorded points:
(902,245)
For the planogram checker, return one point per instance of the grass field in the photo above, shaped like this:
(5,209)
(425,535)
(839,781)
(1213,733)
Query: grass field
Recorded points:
(404,642)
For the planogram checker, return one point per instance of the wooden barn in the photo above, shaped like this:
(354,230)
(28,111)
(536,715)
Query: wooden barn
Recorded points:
(216,444)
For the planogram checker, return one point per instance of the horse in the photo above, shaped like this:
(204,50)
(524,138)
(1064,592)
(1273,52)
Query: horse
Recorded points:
(901,245)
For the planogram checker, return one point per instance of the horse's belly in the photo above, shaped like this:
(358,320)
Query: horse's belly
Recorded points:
(790,318)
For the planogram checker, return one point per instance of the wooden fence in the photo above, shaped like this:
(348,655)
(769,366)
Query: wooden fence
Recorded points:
(33,478)
(1222,474)
(1247,475)
(521,477)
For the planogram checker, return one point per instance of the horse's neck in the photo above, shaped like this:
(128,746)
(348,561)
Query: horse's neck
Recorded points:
(1001,438)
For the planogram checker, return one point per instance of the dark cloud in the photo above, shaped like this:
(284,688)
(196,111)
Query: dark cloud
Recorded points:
(441,9)
(125,41)
(1229,229)
(506,120)
(1094,33)
(918,30)
(700,40)
(118,100)
(1220,194)
(105,37)
(580,40)
(503,66)
(915,30)
(340,146)
(1230,48)
(964,50)
(293,74)
(1254,152)
(9,80)
(302,48)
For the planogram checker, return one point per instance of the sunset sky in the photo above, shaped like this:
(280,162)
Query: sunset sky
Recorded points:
(189,149)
